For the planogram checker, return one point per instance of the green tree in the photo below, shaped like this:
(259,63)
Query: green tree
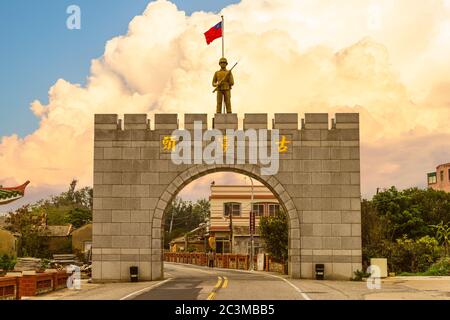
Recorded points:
(81,198)
(412,211)
(275,232)
(31,226)
(202,209)
(59,210)
(184,216)
(407,227)
(373,231)
(79,217)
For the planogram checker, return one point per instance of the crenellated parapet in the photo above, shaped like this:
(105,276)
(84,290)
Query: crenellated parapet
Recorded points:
(312,127)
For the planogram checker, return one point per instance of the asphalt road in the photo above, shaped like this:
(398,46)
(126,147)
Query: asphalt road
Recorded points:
(188,282)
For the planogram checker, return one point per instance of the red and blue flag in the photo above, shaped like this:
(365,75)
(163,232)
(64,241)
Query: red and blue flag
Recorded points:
(213,33)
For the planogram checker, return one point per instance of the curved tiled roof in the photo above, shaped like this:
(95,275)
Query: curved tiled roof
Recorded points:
(59,231)
(8,195)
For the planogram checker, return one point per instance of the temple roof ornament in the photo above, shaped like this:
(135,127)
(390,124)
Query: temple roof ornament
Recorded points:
(8,195)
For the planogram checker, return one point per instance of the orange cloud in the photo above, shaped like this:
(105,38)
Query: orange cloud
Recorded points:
(386,60)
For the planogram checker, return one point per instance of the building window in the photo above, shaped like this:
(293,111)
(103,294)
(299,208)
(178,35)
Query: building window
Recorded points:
(448,174)
(223,246)
(273,208)
(233,208)
(432,178)
(442,175)
(258,209)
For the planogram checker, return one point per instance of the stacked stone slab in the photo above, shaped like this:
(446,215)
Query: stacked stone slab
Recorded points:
(318,185)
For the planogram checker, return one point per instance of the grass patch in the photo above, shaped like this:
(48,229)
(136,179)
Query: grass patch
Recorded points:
(412,274)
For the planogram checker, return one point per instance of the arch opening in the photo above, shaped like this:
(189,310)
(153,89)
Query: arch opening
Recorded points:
(182,180)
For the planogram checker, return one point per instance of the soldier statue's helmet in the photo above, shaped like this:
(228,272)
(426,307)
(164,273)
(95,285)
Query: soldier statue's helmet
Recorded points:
(223,60)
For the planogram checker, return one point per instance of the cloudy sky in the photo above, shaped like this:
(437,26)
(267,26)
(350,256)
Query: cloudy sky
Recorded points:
(387,60)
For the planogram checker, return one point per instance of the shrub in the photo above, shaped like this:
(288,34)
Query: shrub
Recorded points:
(45,263)
(407,255)
(7,262)
(359,275)
(440,268)
(443,234)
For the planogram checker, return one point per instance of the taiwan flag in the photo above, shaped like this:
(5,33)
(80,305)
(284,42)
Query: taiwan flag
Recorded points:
(213,33)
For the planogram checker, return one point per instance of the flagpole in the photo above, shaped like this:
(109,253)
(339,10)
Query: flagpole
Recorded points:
(223,37)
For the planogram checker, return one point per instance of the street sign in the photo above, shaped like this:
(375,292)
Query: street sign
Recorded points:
(252,222)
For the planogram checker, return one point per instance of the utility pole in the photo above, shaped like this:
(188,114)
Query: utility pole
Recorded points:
(206,233)
(223,37)
(223,53)
(231,232)
(252,221)
(171,221)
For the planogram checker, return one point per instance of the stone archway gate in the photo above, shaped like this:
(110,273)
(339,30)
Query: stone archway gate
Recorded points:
(318,184)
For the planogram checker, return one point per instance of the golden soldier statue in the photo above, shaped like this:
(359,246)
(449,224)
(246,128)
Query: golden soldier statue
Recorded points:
(223,82)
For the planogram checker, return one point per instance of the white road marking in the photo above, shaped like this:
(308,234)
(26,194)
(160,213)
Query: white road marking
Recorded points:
(304,295)
(145,289)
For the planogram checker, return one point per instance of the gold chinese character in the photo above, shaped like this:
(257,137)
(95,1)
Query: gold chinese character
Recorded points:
(225,143)
(282,145)
(169,143)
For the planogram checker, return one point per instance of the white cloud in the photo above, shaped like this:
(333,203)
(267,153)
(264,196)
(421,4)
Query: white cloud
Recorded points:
(296,56)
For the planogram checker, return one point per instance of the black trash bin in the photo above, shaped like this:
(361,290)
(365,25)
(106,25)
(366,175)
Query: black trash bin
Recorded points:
(320,271)
(134,274)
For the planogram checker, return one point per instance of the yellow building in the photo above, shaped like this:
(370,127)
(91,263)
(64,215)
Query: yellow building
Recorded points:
(82,239)
(230,216)
(8,243)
